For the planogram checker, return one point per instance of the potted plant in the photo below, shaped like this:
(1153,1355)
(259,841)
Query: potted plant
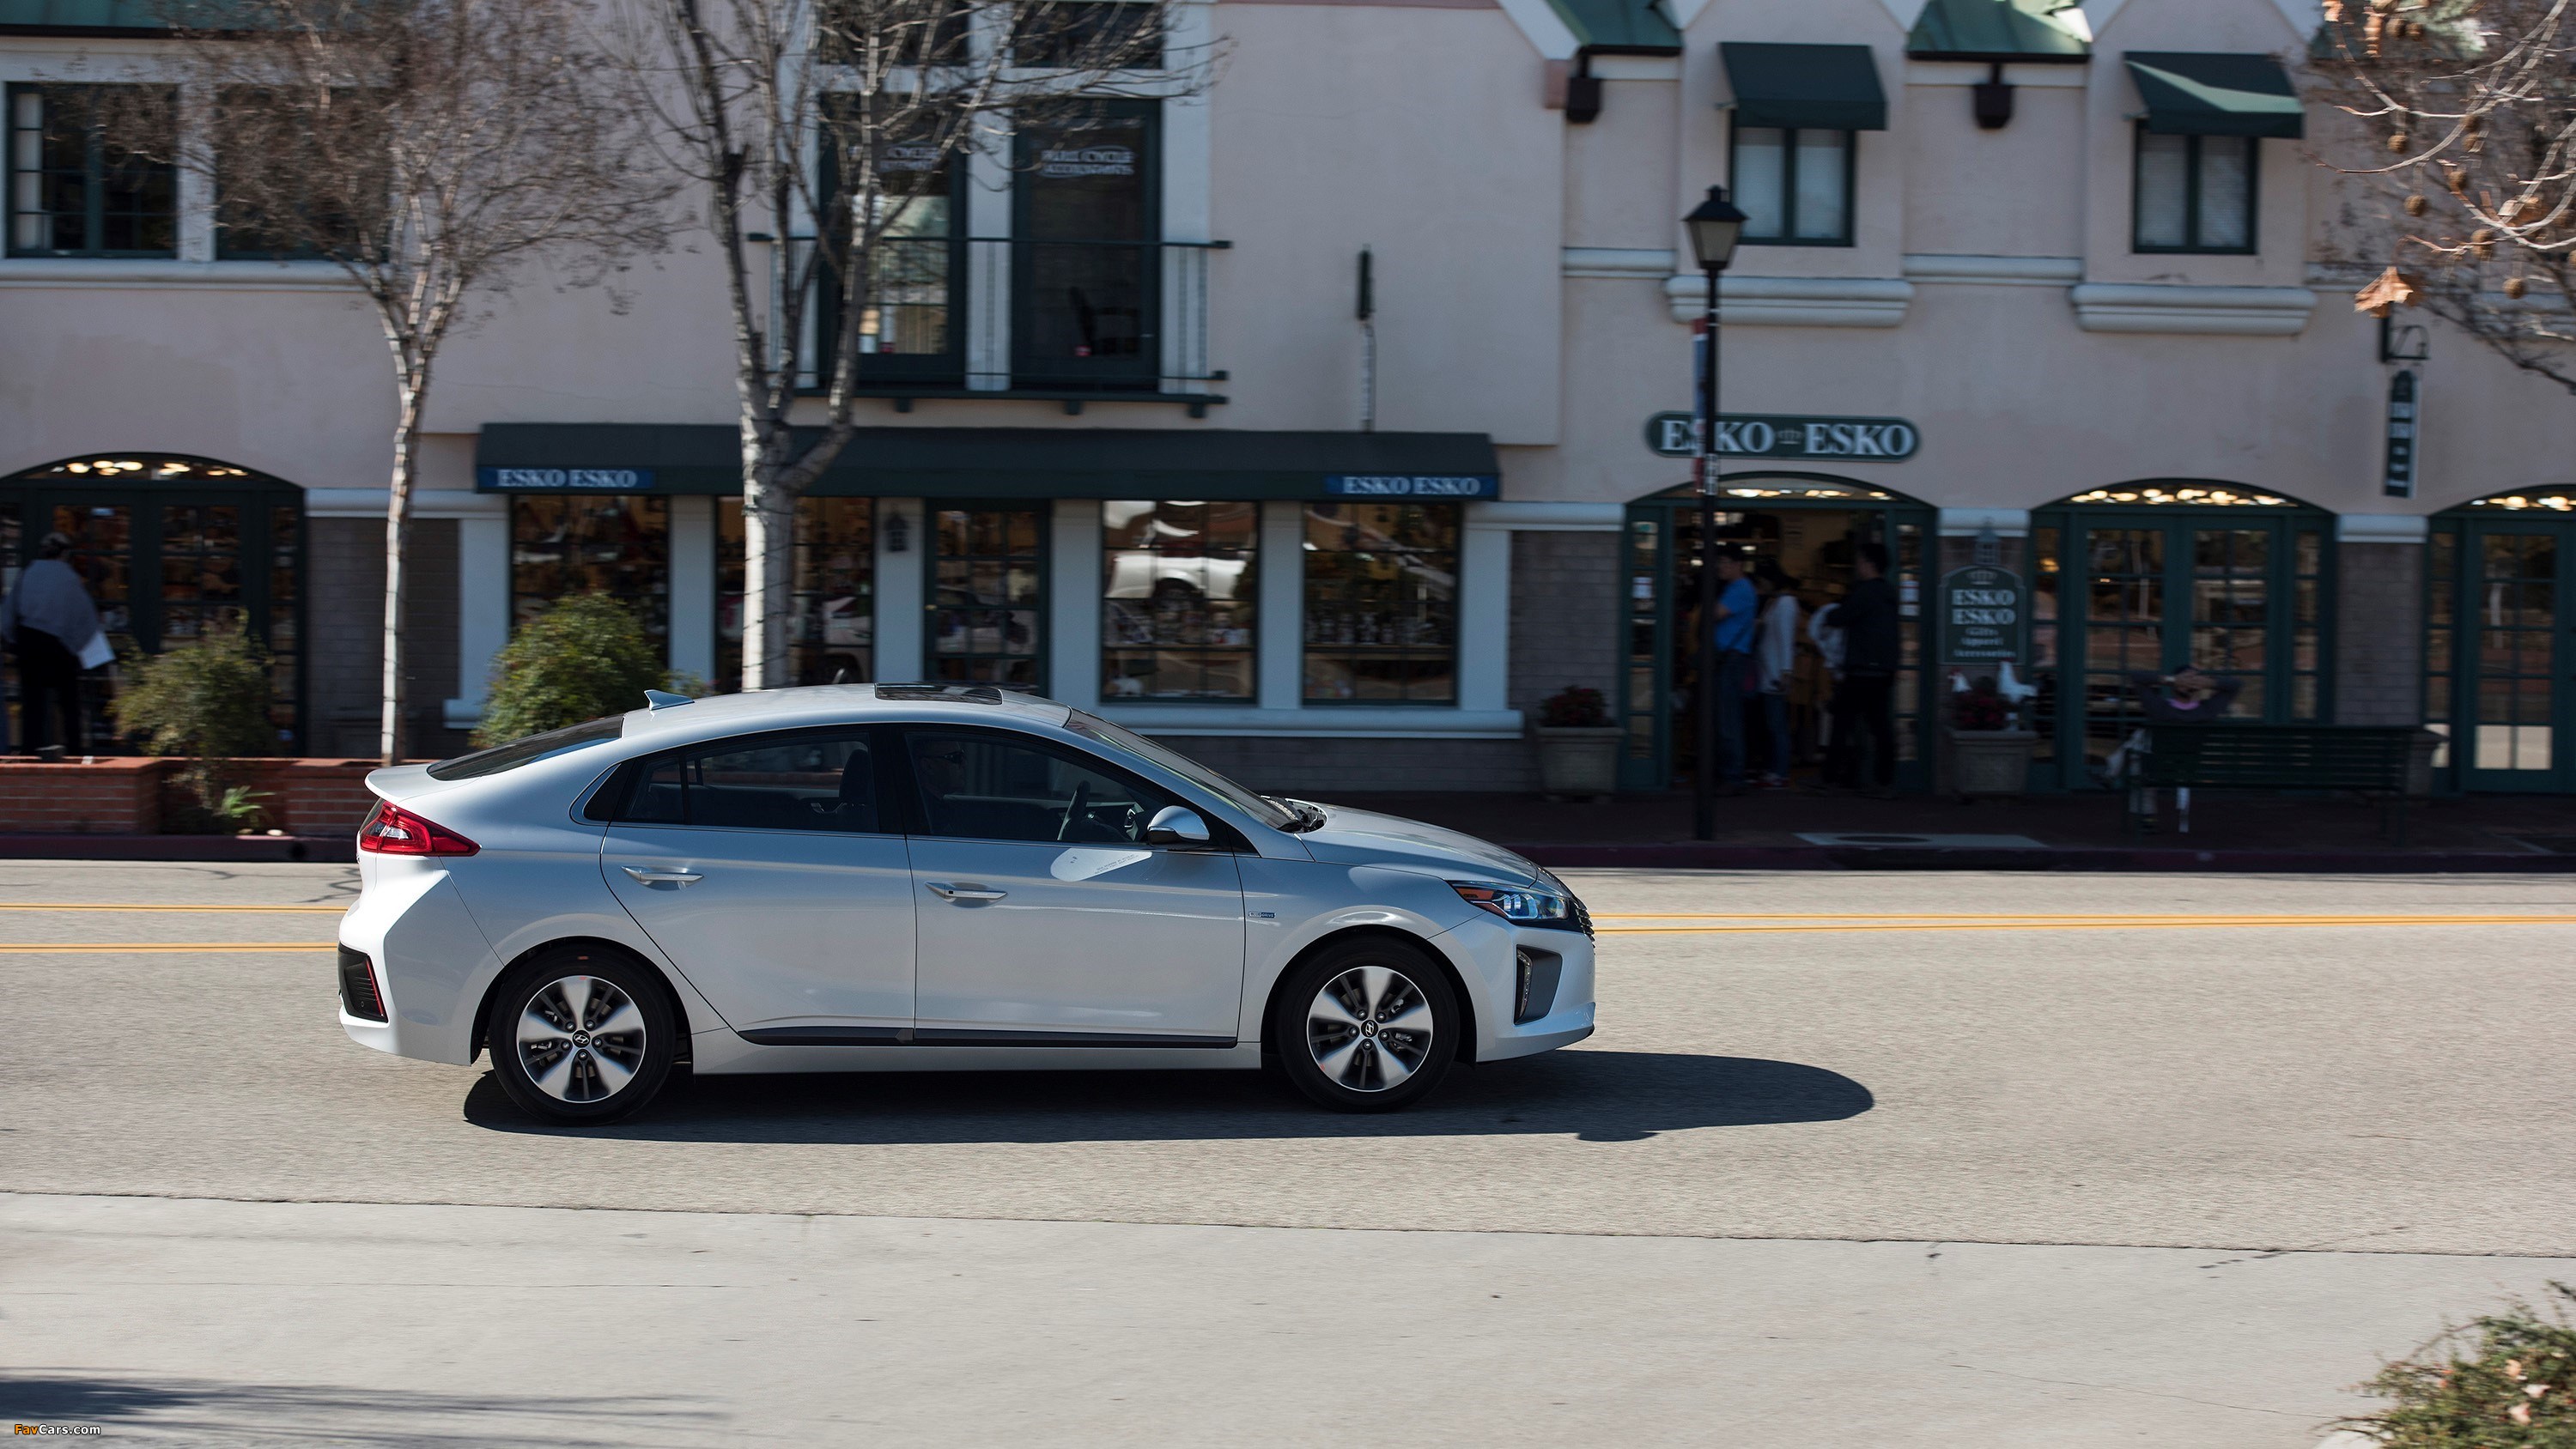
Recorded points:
(1989,753)
(1578,746)
(207,700)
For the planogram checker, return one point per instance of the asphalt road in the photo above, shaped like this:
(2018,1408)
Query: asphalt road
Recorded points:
(1881,1160)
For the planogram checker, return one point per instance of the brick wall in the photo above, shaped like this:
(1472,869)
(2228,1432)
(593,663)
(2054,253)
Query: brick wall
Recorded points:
(115,795)
(1565,621)
(2379,634)
(346,580)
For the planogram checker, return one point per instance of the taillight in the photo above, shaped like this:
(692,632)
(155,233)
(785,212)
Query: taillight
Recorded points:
(392,830)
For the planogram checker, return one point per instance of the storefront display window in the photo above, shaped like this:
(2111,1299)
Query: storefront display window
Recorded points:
(988,596)
(619,546)
(831,637)
(1179,590)
(1382,603)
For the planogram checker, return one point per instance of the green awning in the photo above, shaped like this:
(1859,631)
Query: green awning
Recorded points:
(1619,27)
(999,462)
(81,17)
(2215,93)
(2005,30)
(1806,87)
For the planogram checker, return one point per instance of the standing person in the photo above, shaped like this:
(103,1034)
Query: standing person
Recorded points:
(1775,651)
(50,623)
(1736,608)
(1873,649)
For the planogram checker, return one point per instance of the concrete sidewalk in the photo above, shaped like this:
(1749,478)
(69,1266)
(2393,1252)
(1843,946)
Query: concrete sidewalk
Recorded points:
(1779,830)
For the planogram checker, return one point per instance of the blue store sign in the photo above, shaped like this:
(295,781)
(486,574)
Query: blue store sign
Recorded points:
(563,480)
(1413,485)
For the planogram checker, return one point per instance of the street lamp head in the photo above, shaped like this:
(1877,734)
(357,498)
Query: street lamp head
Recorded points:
(1714,226)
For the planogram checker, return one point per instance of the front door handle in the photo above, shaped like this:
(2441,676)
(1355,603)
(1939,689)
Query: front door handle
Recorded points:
(663,877)
(963,892)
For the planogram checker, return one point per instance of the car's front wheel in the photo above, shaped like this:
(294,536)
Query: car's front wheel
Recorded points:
(581,1035)
(1369,1025)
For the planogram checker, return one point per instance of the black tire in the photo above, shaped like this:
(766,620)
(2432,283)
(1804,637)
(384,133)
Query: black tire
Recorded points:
(1347,1066)
(574,1077)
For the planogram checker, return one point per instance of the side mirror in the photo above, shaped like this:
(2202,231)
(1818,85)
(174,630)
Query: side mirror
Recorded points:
(1176,825)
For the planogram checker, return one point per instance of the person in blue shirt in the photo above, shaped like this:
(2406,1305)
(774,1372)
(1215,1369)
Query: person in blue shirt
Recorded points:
(1737,608)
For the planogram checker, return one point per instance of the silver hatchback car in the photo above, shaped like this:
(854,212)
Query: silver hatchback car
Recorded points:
(942,878)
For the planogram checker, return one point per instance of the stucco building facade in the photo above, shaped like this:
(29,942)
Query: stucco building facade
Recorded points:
(2006,300)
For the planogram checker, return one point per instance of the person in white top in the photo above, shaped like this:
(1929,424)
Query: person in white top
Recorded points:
(1775,653)
(51,625)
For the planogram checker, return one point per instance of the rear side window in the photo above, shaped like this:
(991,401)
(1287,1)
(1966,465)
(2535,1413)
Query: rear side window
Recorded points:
(530,750)
(819,782)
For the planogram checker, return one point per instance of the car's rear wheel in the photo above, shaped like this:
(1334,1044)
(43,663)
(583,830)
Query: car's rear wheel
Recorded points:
(581,1035)
(1368,1025)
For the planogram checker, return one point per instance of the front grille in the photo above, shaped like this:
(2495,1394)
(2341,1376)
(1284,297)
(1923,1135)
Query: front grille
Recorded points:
(358,995)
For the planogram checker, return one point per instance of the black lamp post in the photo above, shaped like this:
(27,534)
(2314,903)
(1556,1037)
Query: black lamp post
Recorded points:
(1714,225)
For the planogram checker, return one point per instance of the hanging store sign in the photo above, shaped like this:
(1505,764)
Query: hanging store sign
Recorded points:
(2404,413)
(1775,435)
(1982,608)
(1413,485)
(563,480)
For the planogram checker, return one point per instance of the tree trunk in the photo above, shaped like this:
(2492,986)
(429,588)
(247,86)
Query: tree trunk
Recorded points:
(389,739)
(768,536)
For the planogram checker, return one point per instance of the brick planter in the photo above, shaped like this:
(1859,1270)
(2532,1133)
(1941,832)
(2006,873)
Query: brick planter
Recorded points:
(133,795)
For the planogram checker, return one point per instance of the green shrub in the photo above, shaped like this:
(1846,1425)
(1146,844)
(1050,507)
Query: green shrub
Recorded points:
(2506,1381)
(207,699)
(584,657)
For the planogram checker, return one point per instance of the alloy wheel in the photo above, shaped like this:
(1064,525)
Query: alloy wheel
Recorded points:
(1369,1029)
(581,1039)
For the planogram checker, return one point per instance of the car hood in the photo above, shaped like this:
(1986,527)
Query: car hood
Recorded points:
(1364,837)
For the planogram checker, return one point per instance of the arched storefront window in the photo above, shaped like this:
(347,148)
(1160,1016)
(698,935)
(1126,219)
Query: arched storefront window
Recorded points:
(2497,655)
(170,548)
(1811,526)
(2158,574)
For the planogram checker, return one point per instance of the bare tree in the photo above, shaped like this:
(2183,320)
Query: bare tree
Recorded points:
(435,149)
(824,134)
(2465,111)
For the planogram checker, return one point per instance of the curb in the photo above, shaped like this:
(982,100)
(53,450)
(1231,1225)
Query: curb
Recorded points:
(1693,855)
(217,849)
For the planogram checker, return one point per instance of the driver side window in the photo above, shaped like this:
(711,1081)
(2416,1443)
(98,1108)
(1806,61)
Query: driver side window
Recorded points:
(986,787)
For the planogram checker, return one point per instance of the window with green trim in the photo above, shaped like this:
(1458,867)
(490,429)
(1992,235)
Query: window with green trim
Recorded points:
(1794,186)
(77,191)
(2195,193)
(1179,596)
(1382,603)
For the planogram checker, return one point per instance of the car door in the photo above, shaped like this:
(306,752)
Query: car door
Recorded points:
(1043,916)
(765,867)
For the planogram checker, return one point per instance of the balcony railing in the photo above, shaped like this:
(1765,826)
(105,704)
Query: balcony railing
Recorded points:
(1072,321)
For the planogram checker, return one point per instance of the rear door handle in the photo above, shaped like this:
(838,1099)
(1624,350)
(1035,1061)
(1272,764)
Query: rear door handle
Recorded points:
(963,892)
(663,877)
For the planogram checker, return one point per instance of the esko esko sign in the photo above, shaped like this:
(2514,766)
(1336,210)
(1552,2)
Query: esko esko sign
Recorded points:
(1781,435)
(563,480)
(1981,614)
(1413,485)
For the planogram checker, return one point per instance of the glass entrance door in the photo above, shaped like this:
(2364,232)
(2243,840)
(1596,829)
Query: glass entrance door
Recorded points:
(2496,659)
(2131,592)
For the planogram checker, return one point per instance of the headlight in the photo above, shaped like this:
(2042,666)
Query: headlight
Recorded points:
(1521,905)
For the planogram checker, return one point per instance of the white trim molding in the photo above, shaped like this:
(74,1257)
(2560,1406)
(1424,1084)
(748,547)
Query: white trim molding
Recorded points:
(1545,30)
(1339,721)
(2220,311)
(1970,522)
(1548,517)
(1793,301)
(425,503)
(1994,271)
(2382,528)
(73,273)
(1634,263)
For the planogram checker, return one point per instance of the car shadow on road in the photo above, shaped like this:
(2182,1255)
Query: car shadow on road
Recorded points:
(210,1411)
(1591,1096)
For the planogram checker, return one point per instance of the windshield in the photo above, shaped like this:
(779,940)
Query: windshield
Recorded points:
(528,751)
(1117,737)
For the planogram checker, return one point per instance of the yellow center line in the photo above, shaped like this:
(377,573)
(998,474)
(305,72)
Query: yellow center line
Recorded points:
(162,948)
(94,906)
(2165,923)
